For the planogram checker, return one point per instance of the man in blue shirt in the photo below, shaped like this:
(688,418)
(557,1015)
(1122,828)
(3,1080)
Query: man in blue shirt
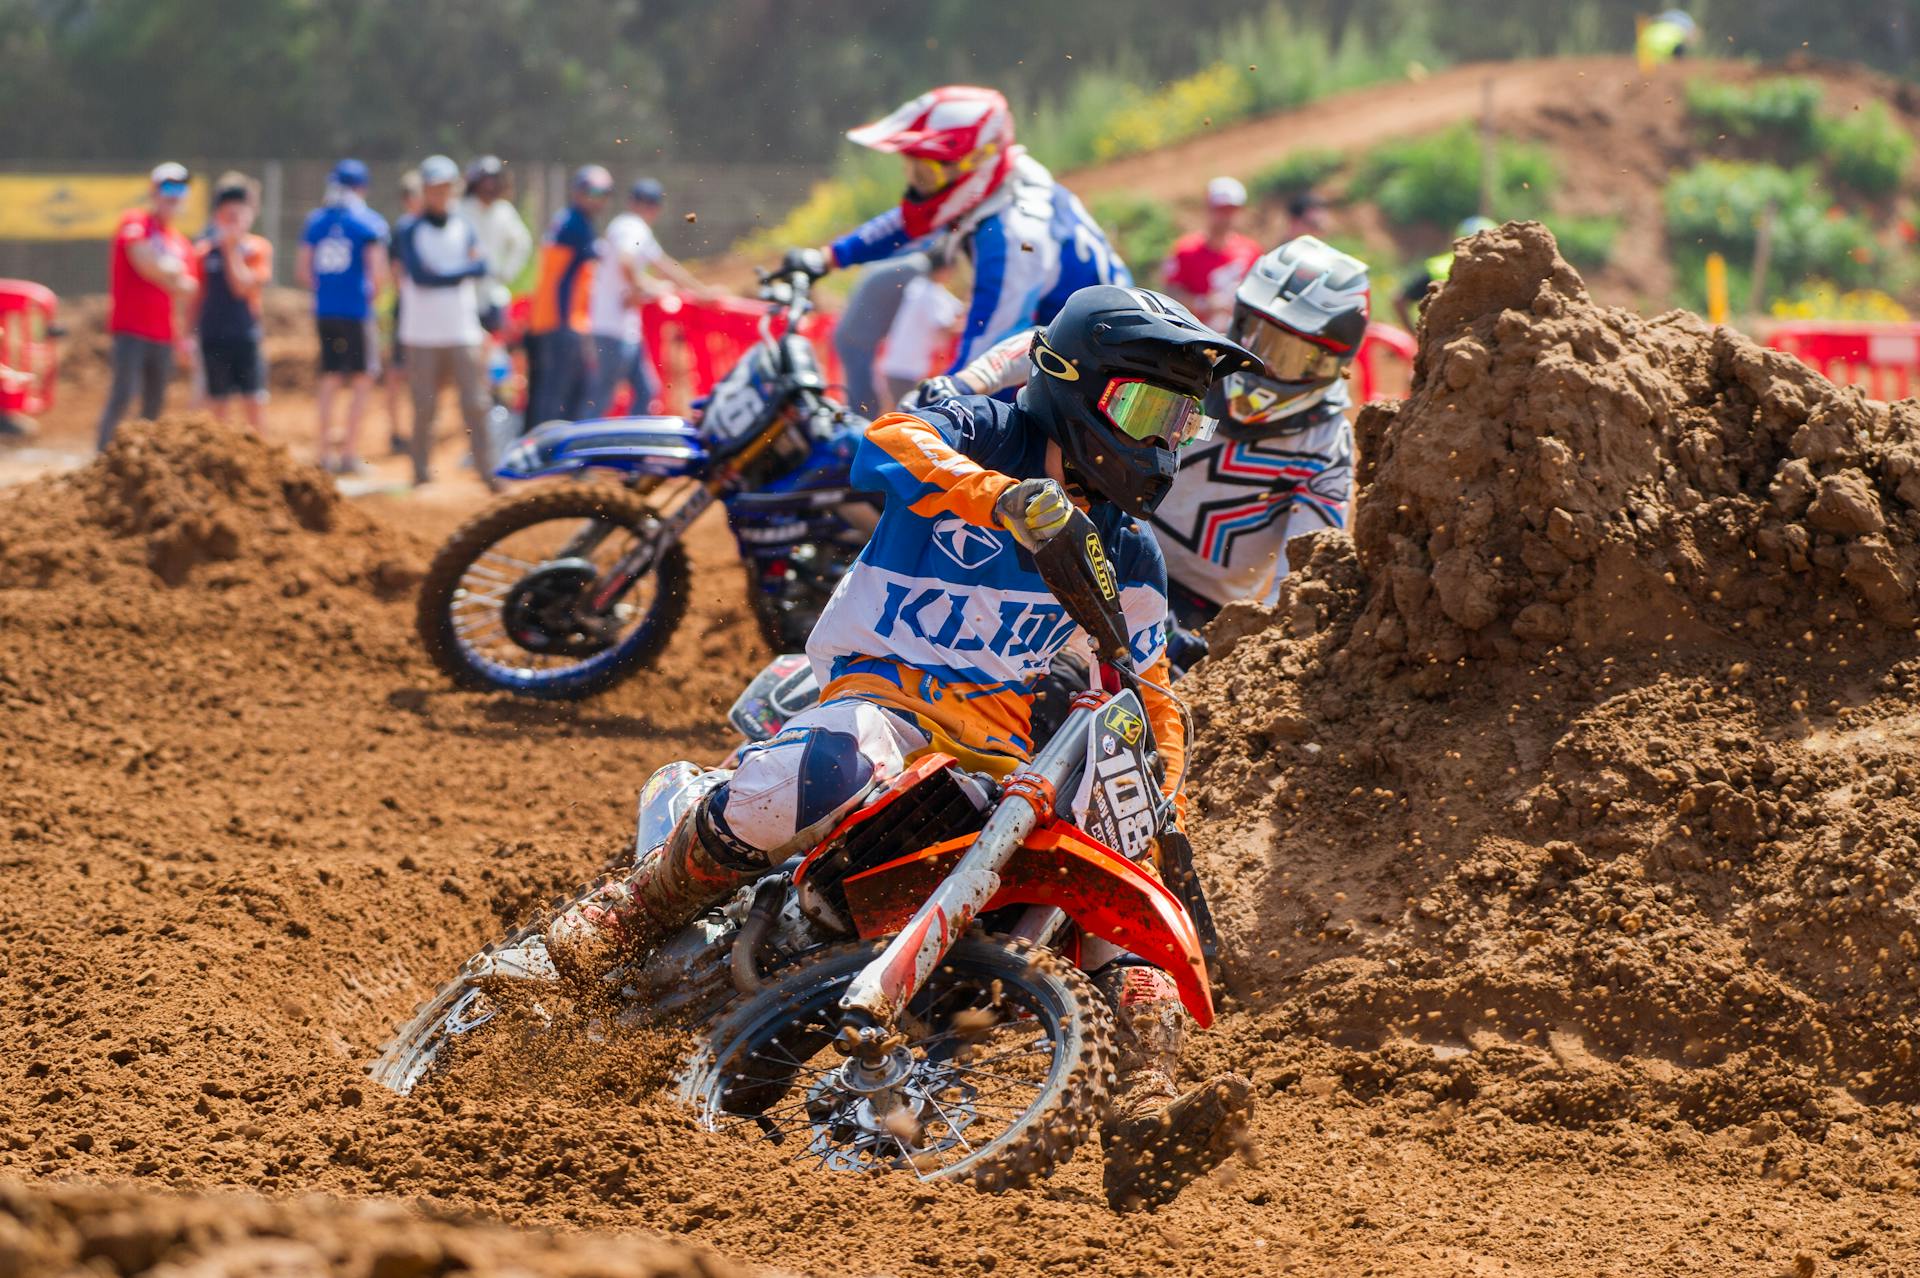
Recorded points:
(343,259)
(559,346)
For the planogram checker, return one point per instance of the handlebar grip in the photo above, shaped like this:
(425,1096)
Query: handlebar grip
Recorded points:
(1075,566)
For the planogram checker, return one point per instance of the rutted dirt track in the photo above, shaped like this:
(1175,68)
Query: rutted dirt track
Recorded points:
(1562,820)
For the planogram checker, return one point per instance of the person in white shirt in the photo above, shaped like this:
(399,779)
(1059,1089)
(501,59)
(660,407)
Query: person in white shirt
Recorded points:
(442,266)
(504,237)
(628,252)
(927,313)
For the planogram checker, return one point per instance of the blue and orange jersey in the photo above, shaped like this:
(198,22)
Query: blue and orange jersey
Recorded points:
(944,616)
(563,280)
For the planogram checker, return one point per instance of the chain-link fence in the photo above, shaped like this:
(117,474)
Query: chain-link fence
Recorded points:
(709,207)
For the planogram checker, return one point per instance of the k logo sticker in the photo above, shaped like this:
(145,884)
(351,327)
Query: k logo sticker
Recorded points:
(968,545)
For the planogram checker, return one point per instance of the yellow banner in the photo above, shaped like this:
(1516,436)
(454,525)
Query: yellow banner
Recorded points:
(81,206)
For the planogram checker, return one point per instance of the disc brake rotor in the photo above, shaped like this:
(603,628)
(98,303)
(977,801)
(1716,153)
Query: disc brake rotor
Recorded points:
(546,611)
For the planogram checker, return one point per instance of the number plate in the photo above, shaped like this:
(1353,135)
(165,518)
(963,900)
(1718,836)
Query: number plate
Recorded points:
(1117,801)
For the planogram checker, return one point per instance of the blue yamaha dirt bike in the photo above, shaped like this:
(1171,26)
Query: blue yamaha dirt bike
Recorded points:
(561,591)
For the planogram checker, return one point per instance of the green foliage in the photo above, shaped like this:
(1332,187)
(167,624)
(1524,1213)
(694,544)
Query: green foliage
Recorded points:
(1779,108)
(1437,178)
(1297,171)
(864,183)
(1142,229)
(1587,242)
(1719,205)
(1868,149)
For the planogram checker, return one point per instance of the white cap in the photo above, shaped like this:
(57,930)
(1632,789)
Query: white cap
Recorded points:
(168,172)
(1226,193)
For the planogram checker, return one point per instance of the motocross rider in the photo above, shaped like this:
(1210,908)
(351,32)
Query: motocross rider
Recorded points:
(934,641)
(1281,462)
(971,189)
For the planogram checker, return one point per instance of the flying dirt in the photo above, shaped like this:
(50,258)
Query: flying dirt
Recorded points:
(1559,821)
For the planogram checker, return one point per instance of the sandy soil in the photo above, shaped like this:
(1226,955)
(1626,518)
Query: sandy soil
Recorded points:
(1559,821)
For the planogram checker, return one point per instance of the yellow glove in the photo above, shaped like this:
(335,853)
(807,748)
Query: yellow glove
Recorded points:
(1035,511)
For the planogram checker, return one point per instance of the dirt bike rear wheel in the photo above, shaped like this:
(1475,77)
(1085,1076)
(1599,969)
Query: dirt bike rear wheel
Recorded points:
(1009,1064)
(419,1047)
(480,605)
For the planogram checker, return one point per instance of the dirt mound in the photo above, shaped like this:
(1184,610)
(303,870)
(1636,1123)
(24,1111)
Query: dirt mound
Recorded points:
(191,499)
(124,1232)
(1579,785)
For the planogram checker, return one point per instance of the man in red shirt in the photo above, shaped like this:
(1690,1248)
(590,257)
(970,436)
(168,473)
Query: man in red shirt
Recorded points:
(150,269)
(1205,267)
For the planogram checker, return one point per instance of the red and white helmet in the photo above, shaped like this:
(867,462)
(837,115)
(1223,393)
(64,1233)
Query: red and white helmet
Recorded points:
(958,144)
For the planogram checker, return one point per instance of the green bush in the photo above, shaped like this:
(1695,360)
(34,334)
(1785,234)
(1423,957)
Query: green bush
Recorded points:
(1718,206)
(1587,242)
(1142,229)
(1781,107)
(1868,149)
(1437,178)
(1298,171)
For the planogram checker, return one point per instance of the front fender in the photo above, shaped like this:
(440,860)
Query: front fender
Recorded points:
(664,446)
(1107,895)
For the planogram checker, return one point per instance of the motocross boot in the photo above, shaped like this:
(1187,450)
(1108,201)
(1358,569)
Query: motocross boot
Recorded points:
(624,920)
(1158,1140)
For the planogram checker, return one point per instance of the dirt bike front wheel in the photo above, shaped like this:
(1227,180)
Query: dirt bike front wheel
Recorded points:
(1006,1066)
(508,603)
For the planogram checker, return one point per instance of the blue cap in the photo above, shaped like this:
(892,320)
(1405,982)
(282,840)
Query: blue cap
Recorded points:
(648,191)
(349,173)
(437,170)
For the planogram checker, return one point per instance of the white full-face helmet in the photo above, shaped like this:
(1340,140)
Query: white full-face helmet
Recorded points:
(1303,310)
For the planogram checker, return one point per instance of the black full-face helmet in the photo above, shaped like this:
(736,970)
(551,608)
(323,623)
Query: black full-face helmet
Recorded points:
(1118,381)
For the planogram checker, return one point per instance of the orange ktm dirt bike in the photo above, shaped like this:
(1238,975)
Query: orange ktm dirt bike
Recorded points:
(911,993)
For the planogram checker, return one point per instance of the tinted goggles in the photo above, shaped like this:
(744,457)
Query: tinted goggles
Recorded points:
(1289,357)
(928,176)
(1154,414)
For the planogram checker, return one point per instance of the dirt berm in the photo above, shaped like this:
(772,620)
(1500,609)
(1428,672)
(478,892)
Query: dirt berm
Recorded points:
(1559,957)
(1581,782)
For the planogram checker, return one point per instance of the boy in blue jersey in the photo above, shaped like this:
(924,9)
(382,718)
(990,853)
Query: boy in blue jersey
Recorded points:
(935,641)
(1032,243)
(343,259)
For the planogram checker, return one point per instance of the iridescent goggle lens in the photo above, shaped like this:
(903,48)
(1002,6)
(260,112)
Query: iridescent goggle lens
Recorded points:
(1153,414)
(174,190)
(1288,356)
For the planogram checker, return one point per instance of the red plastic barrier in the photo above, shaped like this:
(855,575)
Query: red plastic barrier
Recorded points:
(28,363)
(1386,345)
(1881,359)
(696,341)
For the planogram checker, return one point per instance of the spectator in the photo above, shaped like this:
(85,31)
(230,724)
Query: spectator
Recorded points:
(1306,215)
(927,313)
(628,251)
(395,373)
(343,259)
(863,325)
(557,346)
(441,267)
(504,237)
(1205,267)
(233,267)
(149,270)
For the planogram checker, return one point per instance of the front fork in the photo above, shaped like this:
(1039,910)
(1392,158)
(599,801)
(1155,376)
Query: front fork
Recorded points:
(890,981)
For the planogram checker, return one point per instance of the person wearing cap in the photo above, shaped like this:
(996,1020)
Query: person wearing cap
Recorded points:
(150,270)
(1204,268)
(628,251)
(233,266)
(441,267)
(559,353)
(343,259)
(504,237)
